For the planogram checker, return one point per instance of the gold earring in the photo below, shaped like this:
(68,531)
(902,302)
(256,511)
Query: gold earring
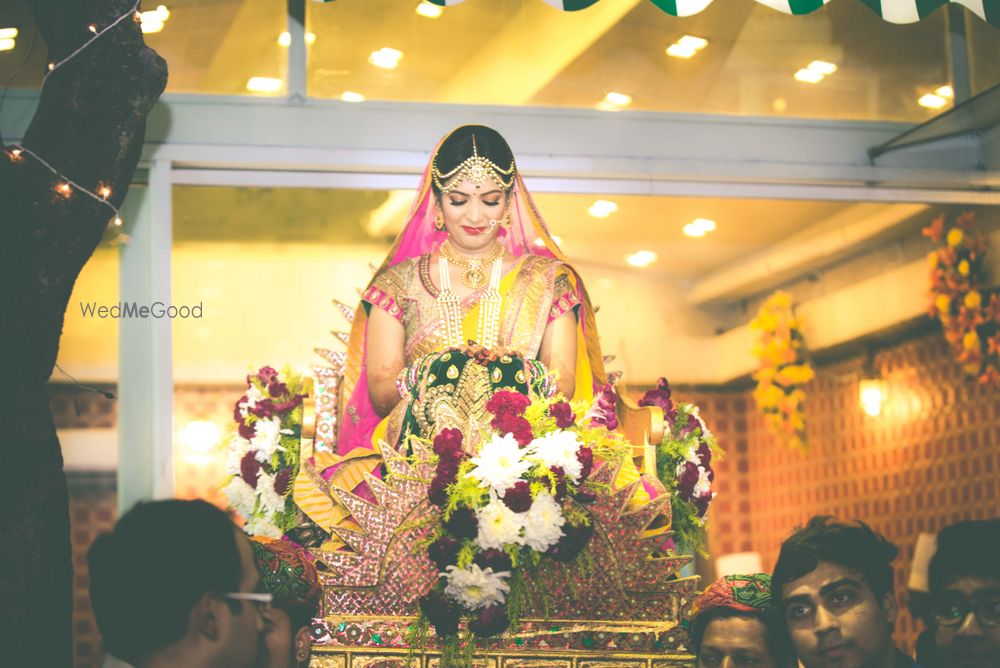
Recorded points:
(438,221)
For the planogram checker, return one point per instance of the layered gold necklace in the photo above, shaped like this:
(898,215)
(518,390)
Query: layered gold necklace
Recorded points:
(475,267)
(490,302)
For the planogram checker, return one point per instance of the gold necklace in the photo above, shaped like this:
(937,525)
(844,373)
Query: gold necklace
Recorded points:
(475,274)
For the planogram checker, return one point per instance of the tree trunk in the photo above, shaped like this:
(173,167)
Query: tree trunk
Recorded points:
(89,125)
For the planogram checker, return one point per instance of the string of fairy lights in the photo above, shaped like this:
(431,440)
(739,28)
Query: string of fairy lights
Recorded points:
(64,186)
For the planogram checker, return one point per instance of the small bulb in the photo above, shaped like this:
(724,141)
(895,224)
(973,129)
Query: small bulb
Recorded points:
(92,28)
(52,66)
(15,154)
(117,221)
(104,191)
(64,189)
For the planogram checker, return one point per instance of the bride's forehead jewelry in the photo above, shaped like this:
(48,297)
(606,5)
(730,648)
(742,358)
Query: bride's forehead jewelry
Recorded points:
(476,169)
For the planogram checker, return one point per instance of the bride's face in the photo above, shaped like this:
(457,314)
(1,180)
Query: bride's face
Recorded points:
(468,211)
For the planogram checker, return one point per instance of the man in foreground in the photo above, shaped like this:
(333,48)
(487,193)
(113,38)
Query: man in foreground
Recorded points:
(834,581)
(174,584)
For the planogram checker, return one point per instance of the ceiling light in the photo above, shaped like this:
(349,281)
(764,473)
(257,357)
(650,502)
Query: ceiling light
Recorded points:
(687,46)
(642,258)
(285,39)
(351,96)
(7,44)
(618,99)
(264,85)
(153,20)
(429,10)
(932,101)
(806,75)
(780,104)
(8,33)
(692,42)
(699,227)
(602,208)
(386,58)
(945,91)
(823,67)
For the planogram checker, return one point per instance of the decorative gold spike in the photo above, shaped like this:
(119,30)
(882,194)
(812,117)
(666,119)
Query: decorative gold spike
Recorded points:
(336,359)
(345,310)
(343,337)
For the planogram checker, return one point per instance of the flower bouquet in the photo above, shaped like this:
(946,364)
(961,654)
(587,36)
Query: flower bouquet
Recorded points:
(684,465)
(264,456)
(519,500)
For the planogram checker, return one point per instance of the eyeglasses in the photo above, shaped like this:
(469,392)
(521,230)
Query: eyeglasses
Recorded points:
(954,612)
(261,600)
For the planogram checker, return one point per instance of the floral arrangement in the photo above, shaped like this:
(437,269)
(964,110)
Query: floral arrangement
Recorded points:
(969,314)
(782,370)
(264,456)
(519,500)
(684,465)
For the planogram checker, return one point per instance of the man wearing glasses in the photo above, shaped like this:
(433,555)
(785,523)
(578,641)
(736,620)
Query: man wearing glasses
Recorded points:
(175,584)
(964,581)
(834,584)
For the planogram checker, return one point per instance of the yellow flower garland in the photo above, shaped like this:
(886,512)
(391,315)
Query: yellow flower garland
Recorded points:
(959,298)
(782,370)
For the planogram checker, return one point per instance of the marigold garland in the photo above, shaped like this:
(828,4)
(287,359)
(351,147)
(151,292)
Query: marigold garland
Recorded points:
(782,369)
(960,298)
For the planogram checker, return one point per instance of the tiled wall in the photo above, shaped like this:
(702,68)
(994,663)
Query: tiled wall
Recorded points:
(931,458)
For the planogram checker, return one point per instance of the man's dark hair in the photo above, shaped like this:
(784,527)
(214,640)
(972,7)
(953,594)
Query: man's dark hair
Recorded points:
(774,625)
(148,573)
(851,545)
(298,616)
(965,549)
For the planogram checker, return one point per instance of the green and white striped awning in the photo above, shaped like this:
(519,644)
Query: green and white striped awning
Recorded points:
(895,11)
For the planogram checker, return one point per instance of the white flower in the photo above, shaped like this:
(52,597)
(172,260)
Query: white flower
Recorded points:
(475,587)
(253,396)
(498,525)
(704,485)
(237,449)
(259,526)
(559,448)
(500,464)
(543,523)
(269,499)
(241,495)
(267,438)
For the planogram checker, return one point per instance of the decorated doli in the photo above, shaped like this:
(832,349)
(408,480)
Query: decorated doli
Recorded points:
(513,542)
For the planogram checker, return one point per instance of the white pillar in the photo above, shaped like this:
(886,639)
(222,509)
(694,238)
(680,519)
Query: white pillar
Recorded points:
(145,384)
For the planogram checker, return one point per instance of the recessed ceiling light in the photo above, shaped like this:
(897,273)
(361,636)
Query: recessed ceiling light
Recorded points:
(6,44)
(823,67)
(351,96)
(386,58)
(932,101)
(153,20)
(285,39)
(429,10)
(642,258)
(264,85)
(806,75)
(699,227)
(602,208)
(687,46)
(945,91)
(8,33)
(780,104)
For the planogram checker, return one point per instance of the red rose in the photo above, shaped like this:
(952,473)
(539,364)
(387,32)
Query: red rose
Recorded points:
(515,425)
(282,481)
(444,551)
(563,413)
(448,444)
(574,539)
(506,402)
(249,467)
(438,493)
(286,406)
(490,621)
(246,431)
(263,409)
(267,375)
(560,492)
(704,454)
(518,497)
(236,409)
(493,558)
(447,470)
(585,496)
(276,389)
(701,503)
(586,458)
(442,612)
(687,480)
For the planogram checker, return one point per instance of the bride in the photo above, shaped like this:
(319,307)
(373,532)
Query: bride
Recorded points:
(474,274)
